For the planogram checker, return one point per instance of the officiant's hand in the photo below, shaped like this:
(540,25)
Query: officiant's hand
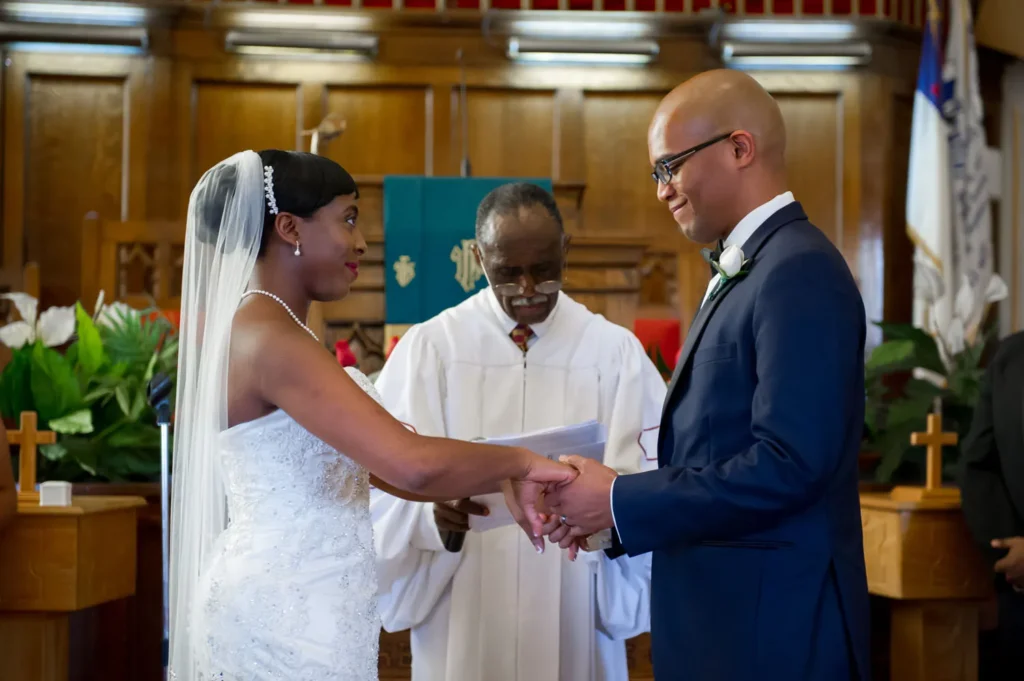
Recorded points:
(585,503)
(1012,564)
(453,516)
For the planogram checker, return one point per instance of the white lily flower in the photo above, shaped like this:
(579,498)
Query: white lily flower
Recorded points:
(112,314)
(928,284)
(996,290)
(933,377)
(54,327)
(98,307)
(963,306)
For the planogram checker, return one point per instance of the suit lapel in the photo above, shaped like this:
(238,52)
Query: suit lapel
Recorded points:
(759,238)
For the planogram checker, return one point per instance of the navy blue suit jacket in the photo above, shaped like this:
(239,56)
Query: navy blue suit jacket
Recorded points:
(753,514)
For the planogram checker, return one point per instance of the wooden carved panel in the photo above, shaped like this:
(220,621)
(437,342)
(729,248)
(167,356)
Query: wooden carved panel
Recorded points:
(138,271)
(232,117)
(511,132)
(74,164)
(621,197)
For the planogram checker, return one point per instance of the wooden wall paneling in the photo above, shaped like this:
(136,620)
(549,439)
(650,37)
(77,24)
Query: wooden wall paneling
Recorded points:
(77,132)
(879,183)
(621,196)
(511,132)
(443,154)
(163,194)
(230,117)
(569,138)
(389,130)
(389,133)
(897,302)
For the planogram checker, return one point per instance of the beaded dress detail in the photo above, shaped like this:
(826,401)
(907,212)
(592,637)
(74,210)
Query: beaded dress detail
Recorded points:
(290,593)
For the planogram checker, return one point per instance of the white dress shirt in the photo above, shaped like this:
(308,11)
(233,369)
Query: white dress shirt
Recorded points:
(739,235)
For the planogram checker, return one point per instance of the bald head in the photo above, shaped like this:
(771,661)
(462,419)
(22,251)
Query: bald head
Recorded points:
(740,162)
(722,100)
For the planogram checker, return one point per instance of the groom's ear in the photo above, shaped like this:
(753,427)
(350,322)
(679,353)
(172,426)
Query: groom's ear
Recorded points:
(743,148)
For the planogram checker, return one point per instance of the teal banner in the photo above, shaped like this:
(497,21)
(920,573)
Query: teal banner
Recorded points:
(429,224)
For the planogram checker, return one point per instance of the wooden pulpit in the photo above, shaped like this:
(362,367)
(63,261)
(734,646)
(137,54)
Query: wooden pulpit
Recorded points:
(56,560)
(921,556)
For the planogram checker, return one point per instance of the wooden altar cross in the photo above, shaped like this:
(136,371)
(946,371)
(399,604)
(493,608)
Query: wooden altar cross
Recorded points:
(28,437)
(934,439)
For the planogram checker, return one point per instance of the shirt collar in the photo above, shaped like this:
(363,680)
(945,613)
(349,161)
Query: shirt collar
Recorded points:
(746,227)
(508,324)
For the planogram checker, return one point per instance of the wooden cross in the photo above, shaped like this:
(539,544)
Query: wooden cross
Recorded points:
(934,439)
(28,437)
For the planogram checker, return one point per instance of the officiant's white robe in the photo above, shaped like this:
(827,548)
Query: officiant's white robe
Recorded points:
(497,611)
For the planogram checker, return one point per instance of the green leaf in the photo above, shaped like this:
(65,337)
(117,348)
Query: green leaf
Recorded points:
(98,393)
(123,401)
(91,355)
(15,384)
(890,355)
(148,374)
(926,352)
(55,389)
(74,423)
(54,452)
(138,405)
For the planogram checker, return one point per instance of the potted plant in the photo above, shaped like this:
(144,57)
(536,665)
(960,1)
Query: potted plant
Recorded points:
(942,367)
(86,376)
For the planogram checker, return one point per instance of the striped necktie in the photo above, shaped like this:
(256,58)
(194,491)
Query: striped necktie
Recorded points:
(521,335)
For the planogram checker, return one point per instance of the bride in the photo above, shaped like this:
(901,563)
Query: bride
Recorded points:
(275,446)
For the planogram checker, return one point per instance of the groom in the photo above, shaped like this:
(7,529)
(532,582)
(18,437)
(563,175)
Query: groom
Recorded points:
(753,515)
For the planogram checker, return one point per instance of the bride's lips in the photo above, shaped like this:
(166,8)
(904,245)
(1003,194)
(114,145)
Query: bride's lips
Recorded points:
(354,268)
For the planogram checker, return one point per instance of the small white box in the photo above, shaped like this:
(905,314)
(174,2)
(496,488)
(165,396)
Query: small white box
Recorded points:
(55,493)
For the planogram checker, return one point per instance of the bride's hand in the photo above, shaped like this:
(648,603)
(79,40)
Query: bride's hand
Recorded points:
(525,496)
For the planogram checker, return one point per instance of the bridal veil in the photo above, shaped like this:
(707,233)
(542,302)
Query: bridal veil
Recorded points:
(222,241)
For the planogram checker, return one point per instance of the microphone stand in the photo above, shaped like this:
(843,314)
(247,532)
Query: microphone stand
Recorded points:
(159,395)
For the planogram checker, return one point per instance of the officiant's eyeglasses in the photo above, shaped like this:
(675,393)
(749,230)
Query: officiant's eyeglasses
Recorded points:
(663,167)
(517,289)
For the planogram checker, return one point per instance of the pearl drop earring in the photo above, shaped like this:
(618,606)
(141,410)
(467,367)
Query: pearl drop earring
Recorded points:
(298,249)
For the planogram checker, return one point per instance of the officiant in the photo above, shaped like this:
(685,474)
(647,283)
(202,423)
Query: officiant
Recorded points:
(516,357)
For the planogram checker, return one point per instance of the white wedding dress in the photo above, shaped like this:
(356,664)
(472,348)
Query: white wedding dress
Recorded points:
(290,594)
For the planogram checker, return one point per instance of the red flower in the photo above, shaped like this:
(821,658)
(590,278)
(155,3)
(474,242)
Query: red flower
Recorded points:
(391,346)
(343,352)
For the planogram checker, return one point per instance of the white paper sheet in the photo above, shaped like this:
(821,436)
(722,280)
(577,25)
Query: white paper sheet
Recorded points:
(585,439)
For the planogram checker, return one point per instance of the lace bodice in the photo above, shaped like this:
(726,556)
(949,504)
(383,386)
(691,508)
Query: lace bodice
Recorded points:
(292,590)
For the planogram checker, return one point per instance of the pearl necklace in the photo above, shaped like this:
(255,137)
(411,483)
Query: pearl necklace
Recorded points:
(283,304)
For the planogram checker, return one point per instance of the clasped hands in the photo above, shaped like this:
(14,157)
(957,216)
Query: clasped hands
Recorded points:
(566,512)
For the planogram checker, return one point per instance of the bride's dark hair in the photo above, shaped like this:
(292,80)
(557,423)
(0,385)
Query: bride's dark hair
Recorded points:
(303,184)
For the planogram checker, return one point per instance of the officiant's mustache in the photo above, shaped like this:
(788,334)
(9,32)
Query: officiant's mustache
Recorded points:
(535,300)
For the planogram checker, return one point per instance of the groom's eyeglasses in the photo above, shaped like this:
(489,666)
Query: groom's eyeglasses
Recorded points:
(664,167)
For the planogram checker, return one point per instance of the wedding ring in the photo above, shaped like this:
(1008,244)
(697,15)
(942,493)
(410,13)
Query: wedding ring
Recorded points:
(564,521)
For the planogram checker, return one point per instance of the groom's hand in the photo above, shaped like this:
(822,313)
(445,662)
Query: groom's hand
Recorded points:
(584,503)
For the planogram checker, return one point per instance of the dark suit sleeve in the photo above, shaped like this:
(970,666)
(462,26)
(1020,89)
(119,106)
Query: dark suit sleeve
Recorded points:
(985,499)
(808,327)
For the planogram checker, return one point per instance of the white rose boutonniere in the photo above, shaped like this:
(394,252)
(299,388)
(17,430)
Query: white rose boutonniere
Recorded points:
(730,265)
